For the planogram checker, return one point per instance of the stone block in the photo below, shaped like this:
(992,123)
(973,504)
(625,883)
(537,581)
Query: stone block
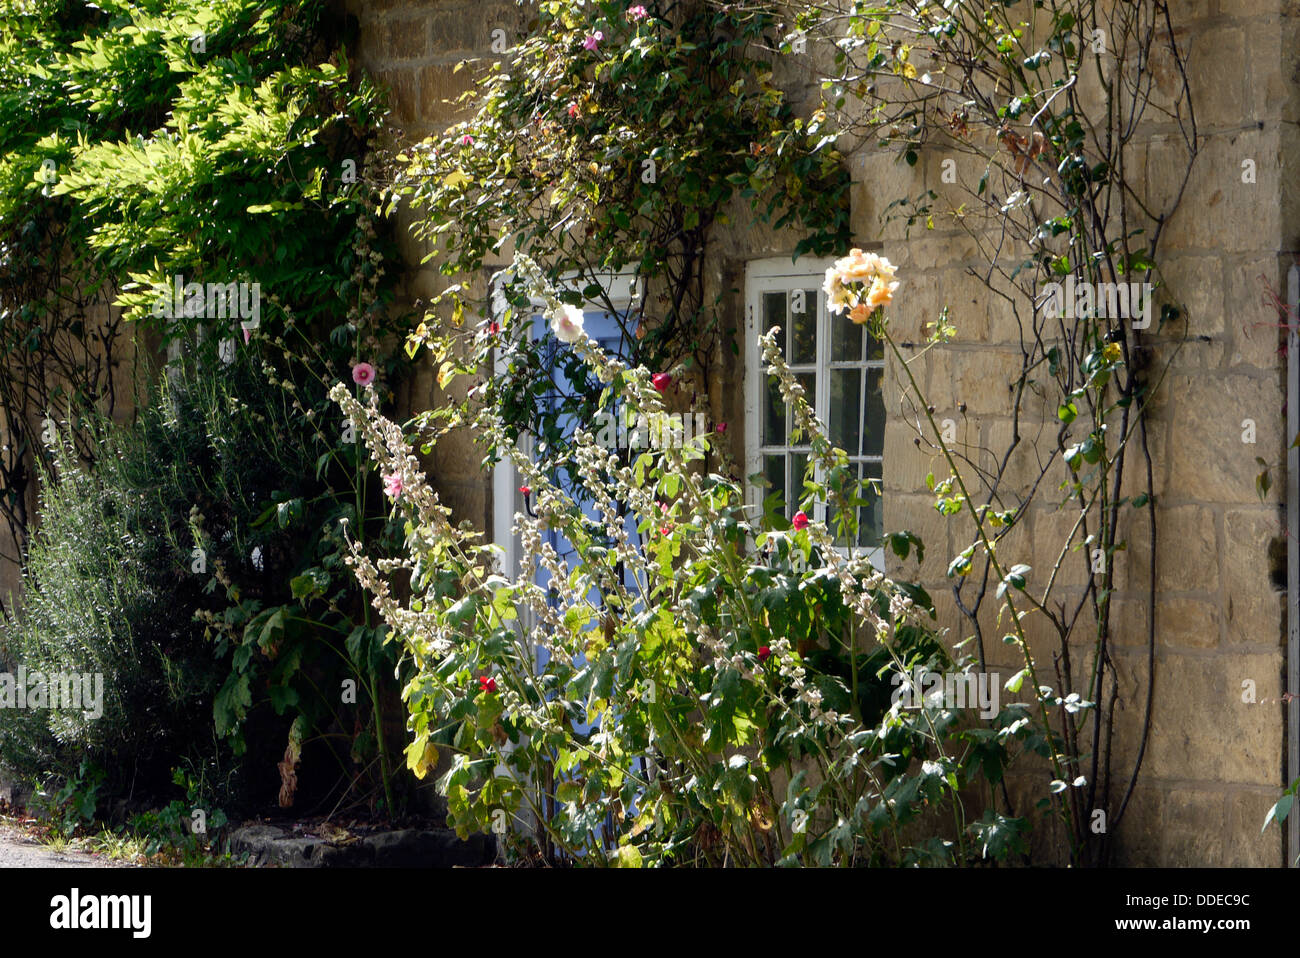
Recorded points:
(1202,730)
(1210,459)
(1255,329)
(1184,623)
(1254,569)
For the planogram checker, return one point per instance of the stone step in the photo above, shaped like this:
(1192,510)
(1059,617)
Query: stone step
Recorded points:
(406,848)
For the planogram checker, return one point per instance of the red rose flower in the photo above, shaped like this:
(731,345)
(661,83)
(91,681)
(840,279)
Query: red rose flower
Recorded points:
(486,684)
(661,381)
(763,653)
(800,520)
(525,491)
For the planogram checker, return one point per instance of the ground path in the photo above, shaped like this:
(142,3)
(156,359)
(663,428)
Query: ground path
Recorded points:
(19,851)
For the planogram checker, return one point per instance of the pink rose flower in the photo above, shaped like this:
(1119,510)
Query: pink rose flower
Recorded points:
(467,140)
(573,109)
(720,427)
(363,374)
(593,40)
(637,12)
(800,520)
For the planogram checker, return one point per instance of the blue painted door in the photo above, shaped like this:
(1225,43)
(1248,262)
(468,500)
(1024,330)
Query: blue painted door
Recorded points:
(604,328)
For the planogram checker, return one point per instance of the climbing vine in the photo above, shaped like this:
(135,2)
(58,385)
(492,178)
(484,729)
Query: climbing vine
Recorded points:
(1048,108)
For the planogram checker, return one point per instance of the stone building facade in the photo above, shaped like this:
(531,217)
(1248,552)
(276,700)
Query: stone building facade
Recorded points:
(1214,762)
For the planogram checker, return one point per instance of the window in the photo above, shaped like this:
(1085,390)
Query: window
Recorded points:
(841,369)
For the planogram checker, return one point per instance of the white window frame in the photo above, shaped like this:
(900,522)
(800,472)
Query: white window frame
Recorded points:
(780,274)
(623,290)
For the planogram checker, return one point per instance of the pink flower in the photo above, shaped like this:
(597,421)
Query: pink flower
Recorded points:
(363,374)
(593,40)
(637,12)
(800,520)
(763,653)
(720,427)
(661,381)
(467,140)
(573,109)
(525,491)
(393,486)
(494,328)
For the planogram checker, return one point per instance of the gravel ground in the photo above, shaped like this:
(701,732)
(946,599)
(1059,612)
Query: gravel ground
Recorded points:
(19,851)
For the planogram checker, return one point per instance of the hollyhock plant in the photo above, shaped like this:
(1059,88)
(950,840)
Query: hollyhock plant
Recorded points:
(651,638)
(800,520)
(363,374)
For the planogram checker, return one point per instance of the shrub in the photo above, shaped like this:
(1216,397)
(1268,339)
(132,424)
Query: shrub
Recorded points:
(191,568)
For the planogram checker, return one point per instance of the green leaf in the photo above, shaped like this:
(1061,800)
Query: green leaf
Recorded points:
(628,857)
(568,792)
(1279,811)
(961,565)
(1015,578)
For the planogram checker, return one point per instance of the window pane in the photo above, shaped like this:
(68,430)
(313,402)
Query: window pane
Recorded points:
(846,408)
(774,471)
(774,315)
(873,440)
(846,340)
(798,463)
(803,321)
(773,416)
(871,517)
(875,349)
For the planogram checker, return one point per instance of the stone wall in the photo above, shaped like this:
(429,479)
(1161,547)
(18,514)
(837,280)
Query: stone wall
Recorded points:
(1213,764)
